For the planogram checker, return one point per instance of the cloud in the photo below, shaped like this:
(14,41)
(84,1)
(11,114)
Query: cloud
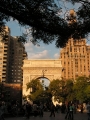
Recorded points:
(39,55)
(56,55)
(28,47)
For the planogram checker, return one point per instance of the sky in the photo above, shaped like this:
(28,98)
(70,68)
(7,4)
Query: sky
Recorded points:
(43,51)
(34,52)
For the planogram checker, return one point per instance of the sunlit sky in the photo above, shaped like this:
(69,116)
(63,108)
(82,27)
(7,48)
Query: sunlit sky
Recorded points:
(35,52)
(43,51)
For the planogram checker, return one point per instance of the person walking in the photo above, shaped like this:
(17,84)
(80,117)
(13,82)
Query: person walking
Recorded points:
(88,110)
(52,109)
(35,110)
(69,114)
(41,110)
(67,111)
(71,111)
(28,110)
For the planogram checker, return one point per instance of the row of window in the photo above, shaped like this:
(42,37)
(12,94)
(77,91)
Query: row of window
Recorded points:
(17,80)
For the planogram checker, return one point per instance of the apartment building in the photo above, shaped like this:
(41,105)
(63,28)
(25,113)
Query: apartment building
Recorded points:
(12,54)
(16,57)
(75,59)
(4,54)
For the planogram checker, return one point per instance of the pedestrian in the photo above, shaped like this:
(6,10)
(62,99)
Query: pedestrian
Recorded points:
(35,110)
(52,110)
(81,108)
(40,107)
(88,110)
(71,111)
(69,114)
(28,110)
(67,111)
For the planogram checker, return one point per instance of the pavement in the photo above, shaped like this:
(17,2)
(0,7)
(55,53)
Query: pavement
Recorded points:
(58,116)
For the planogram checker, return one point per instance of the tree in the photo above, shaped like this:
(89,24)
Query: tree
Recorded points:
(87,92)
(38,94)
(46,25)
(57,89)
(80,88)
(70,95)
(36,89)
(35,85)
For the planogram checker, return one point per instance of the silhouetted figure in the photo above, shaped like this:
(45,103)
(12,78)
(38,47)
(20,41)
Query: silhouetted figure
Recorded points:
(41,110)
(52,110)
(69,114)
(28,109)
(35,110)
(81,108)
(88,110)
(63,108)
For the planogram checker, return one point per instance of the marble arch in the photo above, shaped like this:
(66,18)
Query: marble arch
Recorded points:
(33,69)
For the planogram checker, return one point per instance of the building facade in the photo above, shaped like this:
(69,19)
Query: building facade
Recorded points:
(12,54)
(16,56)
(75,59)
(4,54)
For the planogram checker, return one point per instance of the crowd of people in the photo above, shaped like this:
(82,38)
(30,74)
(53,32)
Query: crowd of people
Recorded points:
(27,109)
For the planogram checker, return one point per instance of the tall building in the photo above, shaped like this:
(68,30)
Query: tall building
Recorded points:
(4,54)
(75,59)
(16,57)
(12,54)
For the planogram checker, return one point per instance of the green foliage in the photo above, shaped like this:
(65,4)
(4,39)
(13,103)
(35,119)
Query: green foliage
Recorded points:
(35,85)
(57,88)
(38,93)
(41,96)
(69,90)
(54,87)
(42,16)
(80,87)
(61,90)
(87,92)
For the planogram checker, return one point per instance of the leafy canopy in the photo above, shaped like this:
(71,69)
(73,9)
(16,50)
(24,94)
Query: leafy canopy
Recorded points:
(46,25)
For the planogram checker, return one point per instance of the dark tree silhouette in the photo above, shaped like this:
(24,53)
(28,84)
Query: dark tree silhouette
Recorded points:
(42,16)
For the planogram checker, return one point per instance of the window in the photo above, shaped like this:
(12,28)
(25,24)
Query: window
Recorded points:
(18,80)
(19,76)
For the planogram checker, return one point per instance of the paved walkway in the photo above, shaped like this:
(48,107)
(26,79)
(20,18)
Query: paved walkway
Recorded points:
(58,116)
